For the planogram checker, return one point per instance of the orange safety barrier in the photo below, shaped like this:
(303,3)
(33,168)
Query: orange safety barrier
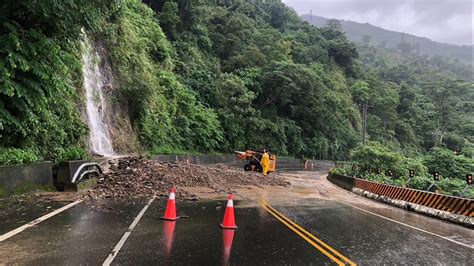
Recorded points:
(456,205)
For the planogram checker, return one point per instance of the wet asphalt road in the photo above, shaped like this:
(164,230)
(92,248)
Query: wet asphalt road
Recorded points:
(85,235)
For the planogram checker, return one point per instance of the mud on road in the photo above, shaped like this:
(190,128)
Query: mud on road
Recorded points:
(138,178)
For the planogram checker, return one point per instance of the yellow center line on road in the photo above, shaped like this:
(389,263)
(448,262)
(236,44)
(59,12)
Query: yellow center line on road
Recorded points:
(302,235)
(307,235)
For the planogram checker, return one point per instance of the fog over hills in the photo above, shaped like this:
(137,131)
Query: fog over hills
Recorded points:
(391,39)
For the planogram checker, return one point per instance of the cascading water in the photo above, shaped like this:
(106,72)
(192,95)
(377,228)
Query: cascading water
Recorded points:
(96,105)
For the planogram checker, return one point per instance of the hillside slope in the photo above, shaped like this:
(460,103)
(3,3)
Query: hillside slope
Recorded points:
(391,39)
(214,76)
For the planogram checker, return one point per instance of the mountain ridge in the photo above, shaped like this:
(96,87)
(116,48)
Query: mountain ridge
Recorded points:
(391,39)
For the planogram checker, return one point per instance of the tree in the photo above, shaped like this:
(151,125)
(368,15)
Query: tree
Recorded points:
(169,19)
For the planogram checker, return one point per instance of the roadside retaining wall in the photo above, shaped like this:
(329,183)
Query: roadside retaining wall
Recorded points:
(14,176)
(214,159)
(198,159)
(451,208)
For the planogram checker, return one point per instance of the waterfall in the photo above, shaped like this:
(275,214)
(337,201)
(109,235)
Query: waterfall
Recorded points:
(94,85)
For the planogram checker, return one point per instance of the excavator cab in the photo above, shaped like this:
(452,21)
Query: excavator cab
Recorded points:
(253,159)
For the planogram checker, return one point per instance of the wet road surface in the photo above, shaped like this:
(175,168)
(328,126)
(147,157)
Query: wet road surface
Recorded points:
(15,213)
(86,234)
(83,235)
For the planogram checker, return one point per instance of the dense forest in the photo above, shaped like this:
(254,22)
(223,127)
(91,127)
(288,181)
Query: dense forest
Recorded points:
(218,76)
(434,100)
(195,76)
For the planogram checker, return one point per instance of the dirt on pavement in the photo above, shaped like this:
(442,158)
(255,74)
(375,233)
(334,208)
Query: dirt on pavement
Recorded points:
(139,177)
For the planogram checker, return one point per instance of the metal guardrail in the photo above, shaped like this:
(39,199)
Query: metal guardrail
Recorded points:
(452,204)
(79,174)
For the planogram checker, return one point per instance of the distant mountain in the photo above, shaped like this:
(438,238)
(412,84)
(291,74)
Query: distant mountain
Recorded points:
(392,39)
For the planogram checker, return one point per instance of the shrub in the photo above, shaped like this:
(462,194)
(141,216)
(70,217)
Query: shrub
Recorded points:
(11,156)
(379,178)
(338,171)
(452,186)
(448,164)
(71,153)
(420,182)
(469,193)
(376,155)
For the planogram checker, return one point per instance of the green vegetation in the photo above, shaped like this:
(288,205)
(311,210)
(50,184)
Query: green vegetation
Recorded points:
(452,168)
(414,105)
(40,72)
(196,76)
(164,112)
(9,156)
(378,155)
(270,79)
(71,153)
(217,76)
(448,164)
(367,33)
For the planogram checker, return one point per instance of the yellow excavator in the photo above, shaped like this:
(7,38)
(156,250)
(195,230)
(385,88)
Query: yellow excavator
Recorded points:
(254,159)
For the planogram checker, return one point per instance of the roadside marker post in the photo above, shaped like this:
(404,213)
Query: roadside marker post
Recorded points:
(369,171)
(355,170)
(469,183)
(411,174)
(469,179)
(379,170)
(436,177)
(389,173)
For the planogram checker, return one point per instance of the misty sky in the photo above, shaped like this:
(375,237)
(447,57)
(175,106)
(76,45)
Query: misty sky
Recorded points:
(448,21)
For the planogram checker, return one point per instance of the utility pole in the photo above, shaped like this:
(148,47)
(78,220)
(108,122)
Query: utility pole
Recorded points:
(365,107)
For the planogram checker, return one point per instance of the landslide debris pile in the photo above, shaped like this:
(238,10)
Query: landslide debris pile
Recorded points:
(138,177)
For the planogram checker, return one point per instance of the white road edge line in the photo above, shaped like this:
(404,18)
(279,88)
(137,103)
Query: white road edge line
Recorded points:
(416,228)
(122,240)
(37,221)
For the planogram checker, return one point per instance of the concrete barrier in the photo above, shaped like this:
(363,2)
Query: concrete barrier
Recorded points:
(66,170)
(14,176)
(198,159)
(215,159)
(346,182)
(451,208)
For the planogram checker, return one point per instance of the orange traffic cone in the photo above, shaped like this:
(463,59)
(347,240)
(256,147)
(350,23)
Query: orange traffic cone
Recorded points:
(170,213)
(229,219)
